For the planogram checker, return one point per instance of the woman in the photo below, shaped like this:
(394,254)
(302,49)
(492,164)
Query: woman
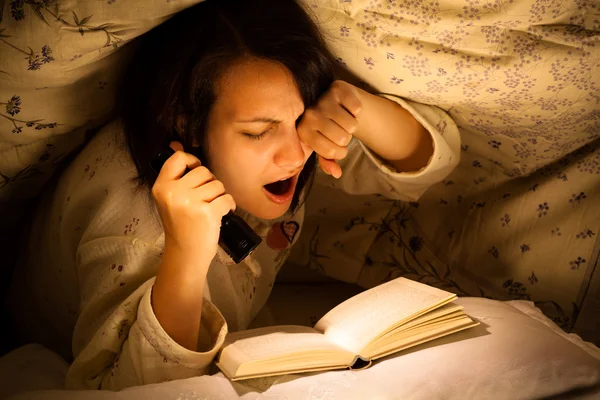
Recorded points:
(136,284)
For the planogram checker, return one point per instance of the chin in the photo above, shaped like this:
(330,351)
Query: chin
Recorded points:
(266,211)
(272,212)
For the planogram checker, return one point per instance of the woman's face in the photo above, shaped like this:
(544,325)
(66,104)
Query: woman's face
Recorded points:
(257,97)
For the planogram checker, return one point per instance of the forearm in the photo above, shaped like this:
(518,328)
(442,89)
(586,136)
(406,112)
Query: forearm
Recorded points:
(177,297)
(393,133)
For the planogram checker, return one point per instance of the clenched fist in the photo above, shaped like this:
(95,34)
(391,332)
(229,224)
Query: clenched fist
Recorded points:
(328,126)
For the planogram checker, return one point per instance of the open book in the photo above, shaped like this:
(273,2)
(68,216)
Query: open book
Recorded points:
(375,323)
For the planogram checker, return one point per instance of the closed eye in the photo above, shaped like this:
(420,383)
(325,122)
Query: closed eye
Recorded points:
(256,137)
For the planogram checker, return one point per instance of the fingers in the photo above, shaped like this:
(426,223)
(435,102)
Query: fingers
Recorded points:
(203,184)
(210,191)
(347,96)
(223,204)
(330,167)
(212,198)
(345,121)
(176,165)
(333,131)
(328,127)
(324,147)
(323,135)
(197,177)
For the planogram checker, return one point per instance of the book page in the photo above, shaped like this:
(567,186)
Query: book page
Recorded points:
(370,314)
(400,337)
(279,372)
(421,335)
(284,345)
(447,311)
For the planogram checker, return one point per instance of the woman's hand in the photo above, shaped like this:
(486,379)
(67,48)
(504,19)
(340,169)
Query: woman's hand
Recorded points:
(328,126)
(191,206)
(384,126)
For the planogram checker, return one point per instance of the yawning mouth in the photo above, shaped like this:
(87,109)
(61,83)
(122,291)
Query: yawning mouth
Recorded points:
(280,187)
(282,191)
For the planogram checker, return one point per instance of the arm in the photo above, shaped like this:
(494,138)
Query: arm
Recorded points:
(119,341)
(123,337)
(392,133)
(191,206)
(383,144)
(178,295)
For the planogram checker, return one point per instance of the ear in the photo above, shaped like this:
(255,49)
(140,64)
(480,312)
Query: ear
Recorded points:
(177,146)
(180,124)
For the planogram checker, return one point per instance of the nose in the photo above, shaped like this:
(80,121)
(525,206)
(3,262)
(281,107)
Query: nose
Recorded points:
(291,153)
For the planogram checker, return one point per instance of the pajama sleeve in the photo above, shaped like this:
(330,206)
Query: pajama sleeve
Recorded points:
(112,232)
(118,342)
(365,173)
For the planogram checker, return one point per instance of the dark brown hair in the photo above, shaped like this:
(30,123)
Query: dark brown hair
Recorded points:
(172,77)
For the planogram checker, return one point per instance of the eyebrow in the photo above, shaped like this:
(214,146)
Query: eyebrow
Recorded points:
(260,119)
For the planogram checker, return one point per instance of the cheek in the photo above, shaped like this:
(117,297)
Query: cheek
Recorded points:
(248,165)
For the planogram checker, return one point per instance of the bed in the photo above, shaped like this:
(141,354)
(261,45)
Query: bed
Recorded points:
(516,353)
(521,80)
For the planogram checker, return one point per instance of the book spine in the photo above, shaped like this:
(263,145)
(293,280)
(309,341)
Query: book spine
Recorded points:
(360,363)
